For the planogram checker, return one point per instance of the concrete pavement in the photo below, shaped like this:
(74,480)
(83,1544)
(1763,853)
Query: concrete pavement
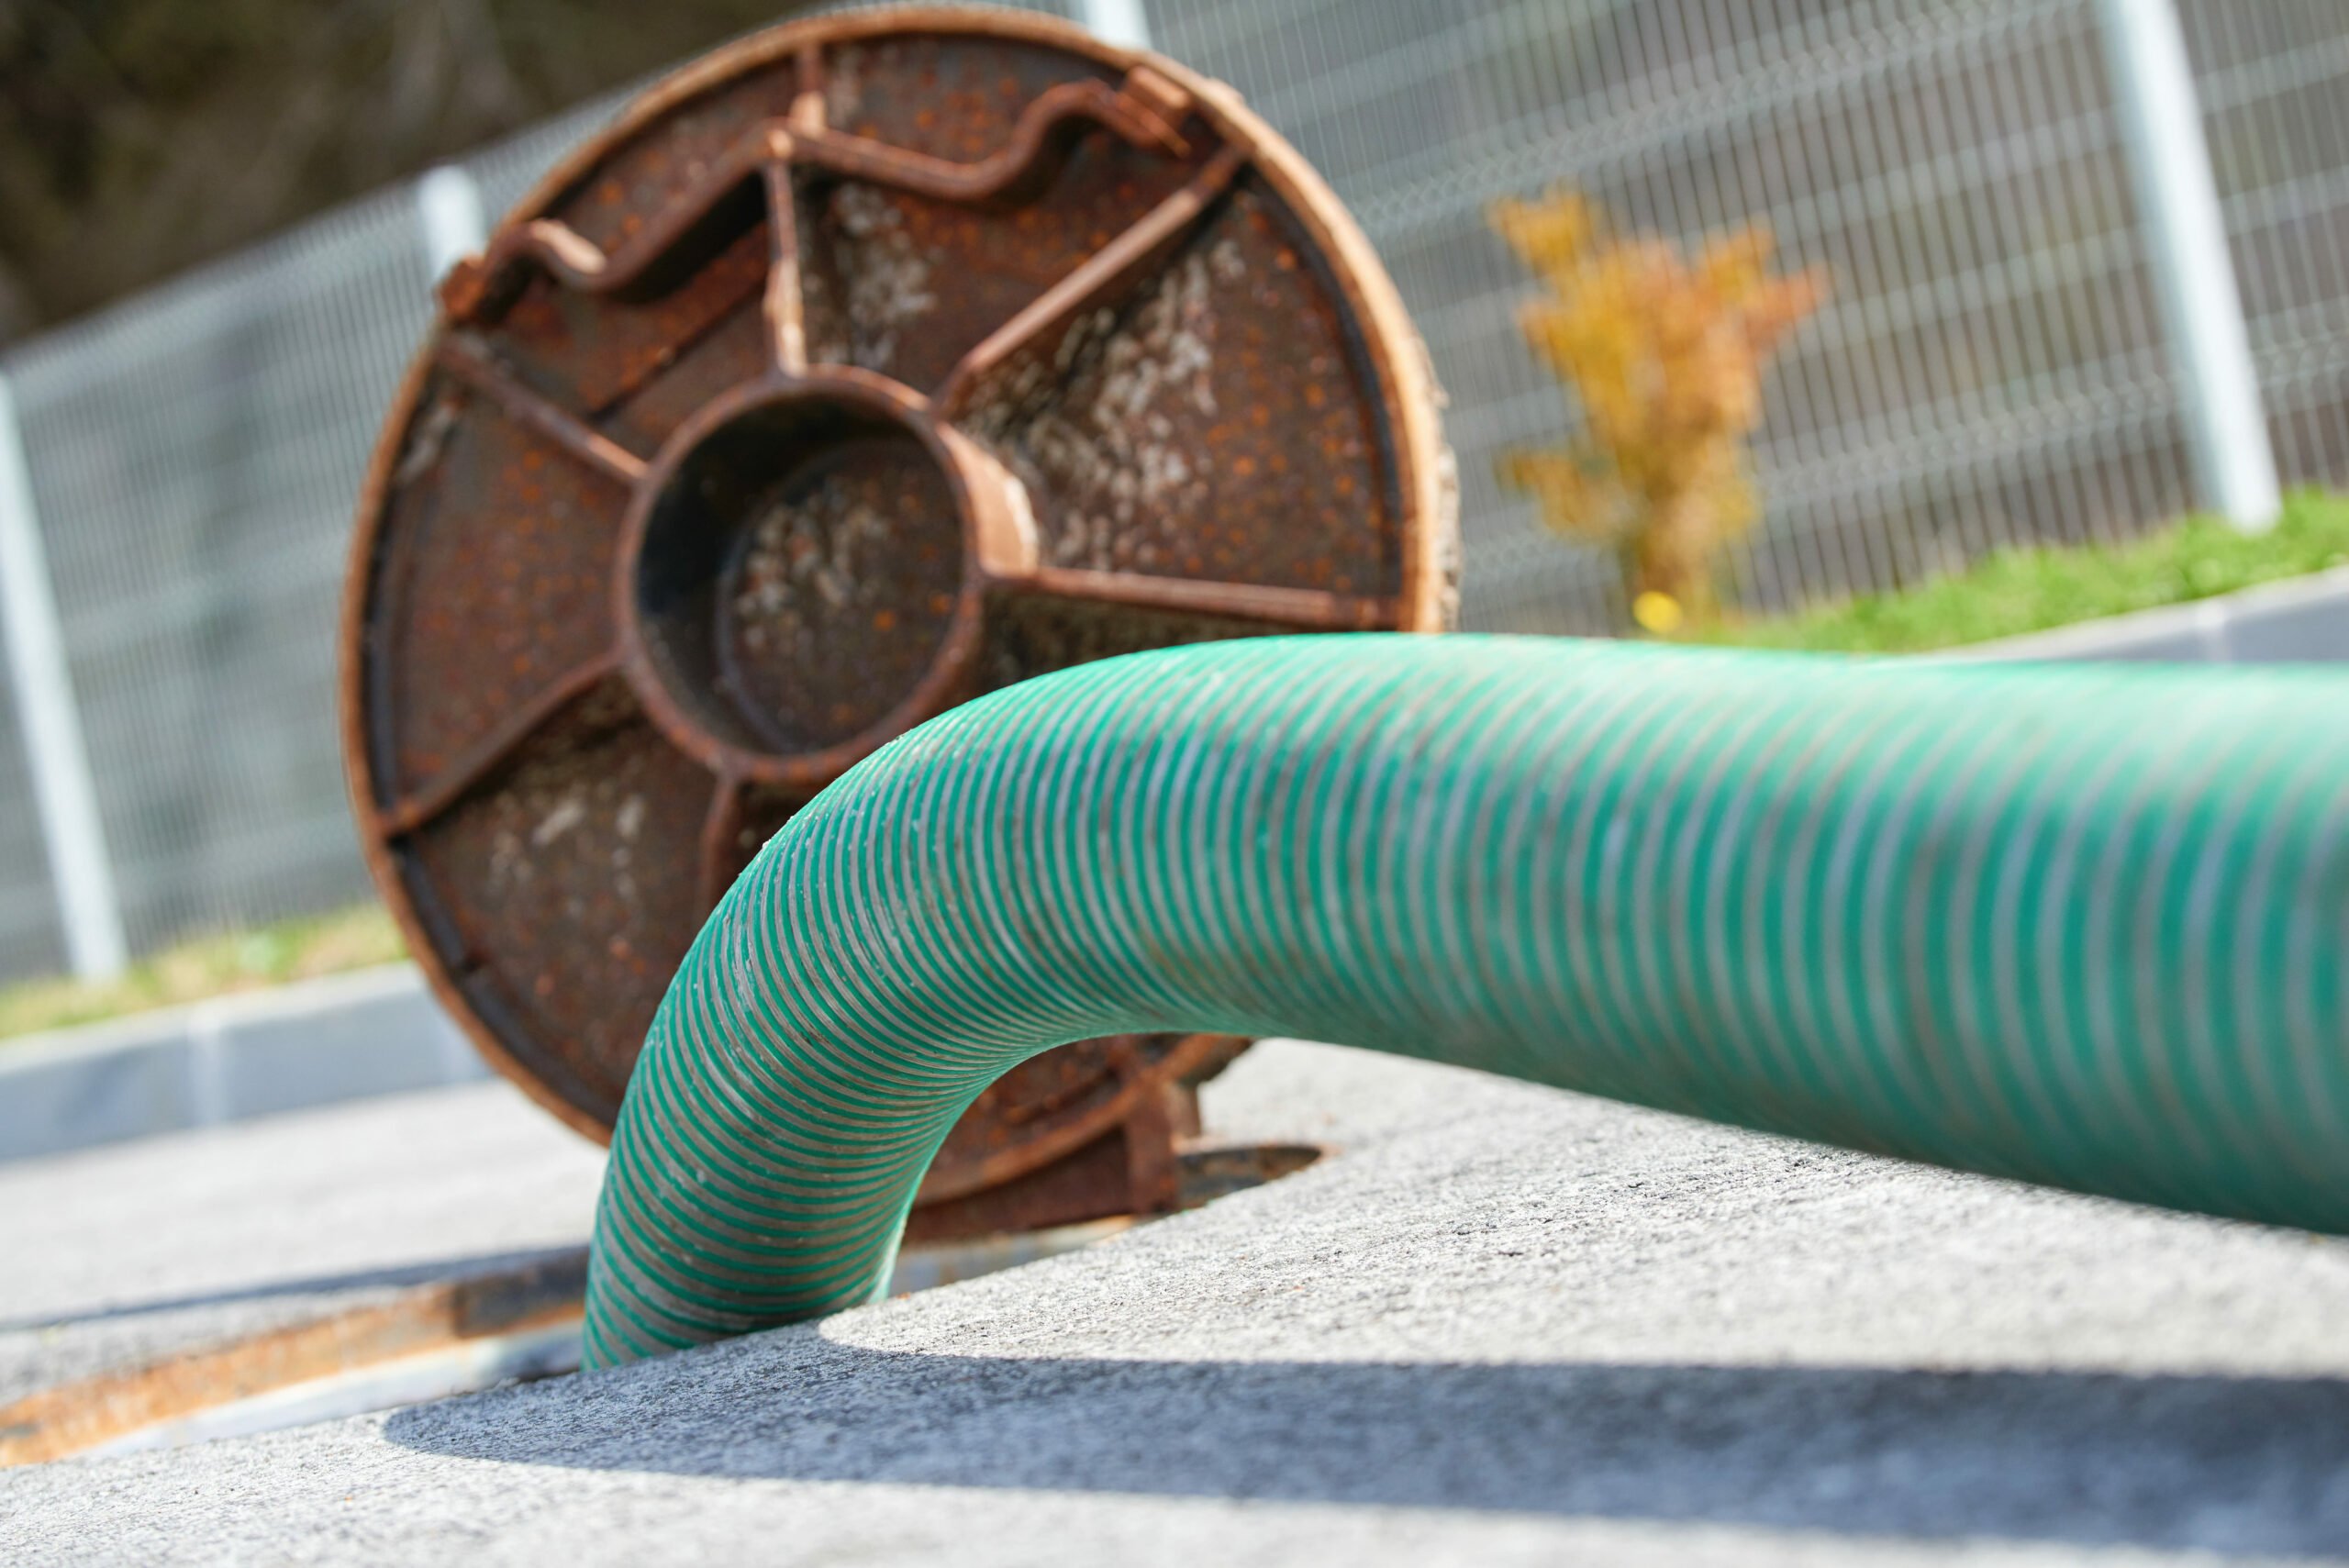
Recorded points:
(1501,1325)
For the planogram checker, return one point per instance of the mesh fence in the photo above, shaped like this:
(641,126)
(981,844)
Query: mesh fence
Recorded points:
(1990,367)
(30,939)
(2275,86)
(194,457)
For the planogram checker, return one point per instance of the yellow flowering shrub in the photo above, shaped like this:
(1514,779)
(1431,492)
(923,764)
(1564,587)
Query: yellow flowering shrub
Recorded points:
(1666,356)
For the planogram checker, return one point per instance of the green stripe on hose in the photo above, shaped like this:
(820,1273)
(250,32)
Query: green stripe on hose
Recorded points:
(2078,925)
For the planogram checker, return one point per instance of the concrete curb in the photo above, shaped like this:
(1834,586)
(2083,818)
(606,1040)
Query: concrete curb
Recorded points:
(377,1031)
(2300,621)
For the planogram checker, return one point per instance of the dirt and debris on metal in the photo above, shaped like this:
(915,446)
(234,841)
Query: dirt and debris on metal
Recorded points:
(866,365)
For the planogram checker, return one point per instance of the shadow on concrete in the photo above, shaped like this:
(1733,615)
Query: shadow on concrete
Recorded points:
(2229,1464)
(316,1284)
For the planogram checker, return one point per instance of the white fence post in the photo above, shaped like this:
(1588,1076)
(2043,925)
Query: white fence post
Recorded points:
(448,206)
(2202,308)
(1120,22)
(51,726)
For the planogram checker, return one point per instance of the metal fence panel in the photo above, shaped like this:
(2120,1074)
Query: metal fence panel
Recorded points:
(31,940)
(193,455)
(2275,84)
(1990,368)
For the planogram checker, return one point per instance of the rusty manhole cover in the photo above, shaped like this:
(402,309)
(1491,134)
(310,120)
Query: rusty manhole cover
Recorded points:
(869,364)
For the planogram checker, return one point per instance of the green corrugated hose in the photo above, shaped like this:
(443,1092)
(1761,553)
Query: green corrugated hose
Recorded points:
(2083,926)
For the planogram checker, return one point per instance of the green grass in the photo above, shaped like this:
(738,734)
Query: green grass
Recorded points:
(2018,591)
(210,966)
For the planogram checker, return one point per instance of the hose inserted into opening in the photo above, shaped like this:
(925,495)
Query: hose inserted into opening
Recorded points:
(2083,926)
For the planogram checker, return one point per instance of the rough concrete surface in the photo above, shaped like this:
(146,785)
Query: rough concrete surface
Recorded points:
(1502,1325)
(109,1257)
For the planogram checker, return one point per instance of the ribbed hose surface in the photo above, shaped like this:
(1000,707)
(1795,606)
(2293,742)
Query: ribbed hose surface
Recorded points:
(2083,926)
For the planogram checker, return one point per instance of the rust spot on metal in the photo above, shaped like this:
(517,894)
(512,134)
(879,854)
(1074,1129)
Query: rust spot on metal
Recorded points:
(80,1415)
(841,591)
(1150,437)
(878,360)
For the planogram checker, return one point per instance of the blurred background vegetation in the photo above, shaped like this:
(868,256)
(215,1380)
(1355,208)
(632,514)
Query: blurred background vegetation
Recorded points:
(1663,358)
(140,137)
(215,965)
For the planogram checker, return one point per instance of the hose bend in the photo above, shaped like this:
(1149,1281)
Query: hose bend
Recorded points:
(2082,926)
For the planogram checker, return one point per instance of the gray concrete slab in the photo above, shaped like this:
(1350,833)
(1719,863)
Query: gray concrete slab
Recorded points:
(2301,620)
(344,1037)
(115,1256)
(1502,1325)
